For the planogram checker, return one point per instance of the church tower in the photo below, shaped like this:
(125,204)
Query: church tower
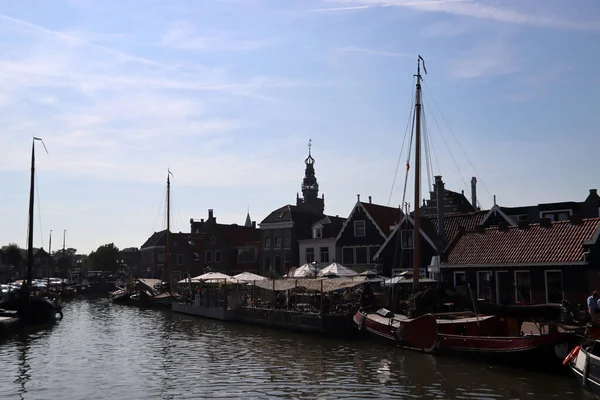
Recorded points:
(310,187)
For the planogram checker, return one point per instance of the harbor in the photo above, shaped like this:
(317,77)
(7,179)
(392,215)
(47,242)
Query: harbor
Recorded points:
(105,350)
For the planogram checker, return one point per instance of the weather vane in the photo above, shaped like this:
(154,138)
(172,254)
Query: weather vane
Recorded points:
(309,145)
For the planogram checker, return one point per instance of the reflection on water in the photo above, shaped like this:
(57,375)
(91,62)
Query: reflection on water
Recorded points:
(101,350)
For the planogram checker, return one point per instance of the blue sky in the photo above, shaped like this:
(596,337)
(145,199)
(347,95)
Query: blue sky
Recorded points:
(227,93)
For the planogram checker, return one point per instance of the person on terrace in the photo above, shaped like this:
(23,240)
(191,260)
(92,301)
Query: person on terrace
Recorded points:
(593,309)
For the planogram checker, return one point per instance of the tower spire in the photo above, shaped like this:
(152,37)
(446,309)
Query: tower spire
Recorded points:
(310,186)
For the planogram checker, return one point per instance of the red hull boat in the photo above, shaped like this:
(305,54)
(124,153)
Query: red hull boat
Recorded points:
(416,333)
(502,339)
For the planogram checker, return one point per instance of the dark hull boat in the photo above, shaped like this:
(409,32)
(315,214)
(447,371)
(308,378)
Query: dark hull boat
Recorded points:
(501,339)
(584,362)
(415,333)
(120,296)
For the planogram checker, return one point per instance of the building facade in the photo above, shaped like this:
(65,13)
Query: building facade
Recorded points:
(321,247)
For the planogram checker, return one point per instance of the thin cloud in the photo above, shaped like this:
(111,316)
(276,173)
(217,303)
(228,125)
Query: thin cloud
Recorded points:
(375,52)
(379,4)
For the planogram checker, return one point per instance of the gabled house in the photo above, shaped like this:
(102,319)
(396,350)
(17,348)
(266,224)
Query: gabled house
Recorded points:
(544,262)
(437,230)
(41,263)
(321,247)
(226,248)
(364,232)
(182,248)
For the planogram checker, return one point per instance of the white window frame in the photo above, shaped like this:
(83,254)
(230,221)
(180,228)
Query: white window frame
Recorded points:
(517,286)
(267,242)
(478,288)
(321,258)
(497,277)
(402,233)
(364,224)
(555,212)
(306,253)
(464,273)
(562,286)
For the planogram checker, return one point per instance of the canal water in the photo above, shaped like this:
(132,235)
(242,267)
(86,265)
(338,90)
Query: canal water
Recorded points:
(106,351)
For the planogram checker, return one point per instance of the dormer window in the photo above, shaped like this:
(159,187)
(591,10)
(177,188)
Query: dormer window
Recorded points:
(359,228)
(557,215)
(317,232)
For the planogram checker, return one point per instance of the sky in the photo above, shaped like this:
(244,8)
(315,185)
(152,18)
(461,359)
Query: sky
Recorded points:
(227,93)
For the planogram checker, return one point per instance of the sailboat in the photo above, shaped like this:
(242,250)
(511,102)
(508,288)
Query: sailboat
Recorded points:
(159,294)
(31,309)
(418,333)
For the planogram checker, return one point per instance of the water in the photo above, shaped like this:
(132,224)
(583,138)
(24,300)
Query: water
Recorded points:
(102,350)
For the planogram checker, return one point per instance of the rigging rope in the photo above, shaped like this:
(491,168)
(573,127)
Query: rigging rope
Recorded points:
(163,197)
(410,112)
(450,151)
(460,146)
(426,147)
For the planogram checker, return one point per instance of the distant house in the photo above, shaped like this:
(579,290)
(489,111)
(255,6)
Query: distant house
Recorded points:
(227,248)
(5,270)
(364,232)
(131,258)
(544,262)
(561,211)
(321,247)
(41,264)
(183,251)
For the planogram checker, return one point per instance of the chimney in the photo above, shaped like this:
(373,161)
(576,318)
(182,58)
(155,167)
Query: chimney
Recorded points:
(202,221)
(369,199)
(254,224)
(575,219)
(474,192)
(480,229)
(545,222)
(439,188)
(210,213)
(503,226)
(523,224)
(358,197)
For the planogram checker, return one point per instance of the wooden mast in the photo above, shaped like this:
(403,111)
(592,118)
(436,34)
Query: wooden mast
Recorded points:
(167,247)
(417,213)
(30,230)
(49,269)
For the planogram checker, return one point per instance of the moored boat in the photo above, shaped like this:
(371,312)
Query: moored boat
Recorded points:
(584,361)
(418,333)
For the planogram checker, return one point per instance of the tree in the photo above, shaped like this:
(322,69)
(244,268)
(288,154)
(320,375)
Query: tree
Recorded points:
(14,256)
(105,258)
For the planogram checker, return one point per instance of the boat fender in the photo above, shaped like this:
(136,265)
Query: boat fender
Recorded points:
(361,322)
(571,355)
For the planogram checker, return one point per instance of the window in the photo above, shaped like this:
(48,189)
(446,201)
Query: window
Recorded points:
(267,242)
(359,228)
(557,215)
(484,285)
(324,254)
(213,240)
(277,242)
(459,278)
(208,257)
(196,257)
(218,256)
(287,239)
(348,255)
(554,287)
(317,232)
(523,218)
(310,254)
(246,254)
(179,259)
(407,238)
(522,287)
(361,255)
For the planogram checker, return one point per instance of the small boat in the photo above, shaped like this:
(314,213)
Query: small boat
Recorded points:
(584,361)
(122,295)
(418,333)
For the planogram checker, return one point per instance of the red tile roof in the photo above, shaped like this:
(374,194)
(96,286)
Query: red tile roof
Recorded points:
(452,223)
(561,242)
(383,216)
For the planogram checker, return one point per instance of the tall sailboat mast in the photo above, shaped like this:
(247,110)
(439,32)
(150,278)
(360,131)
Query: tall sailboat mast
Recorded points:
(30,228)
(167,247)
(49,269)
(417,213)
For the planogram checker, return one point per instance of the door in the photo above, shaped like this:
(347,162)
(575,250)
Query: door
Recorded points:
(503,287)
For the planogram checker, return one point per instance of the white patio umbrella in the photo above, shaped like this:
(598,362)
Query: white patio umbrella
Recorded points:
(337,270)
(249,277)
(214,277)
(304,271)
